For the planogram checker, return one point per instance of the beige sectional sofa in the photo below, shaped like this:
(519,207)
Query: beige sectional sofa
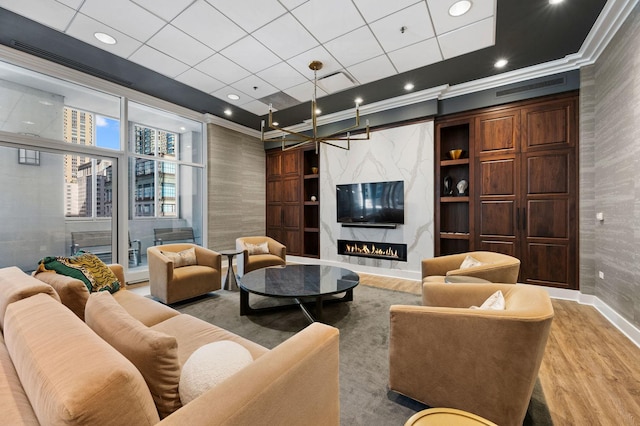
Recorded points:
(58,370)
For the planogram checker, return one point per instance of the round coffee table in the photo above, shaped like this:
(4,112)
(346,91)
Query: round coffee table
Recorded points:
(301,283)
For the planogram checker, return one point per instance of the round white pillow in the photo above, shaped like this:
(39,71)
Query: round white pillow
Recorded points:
(209,365)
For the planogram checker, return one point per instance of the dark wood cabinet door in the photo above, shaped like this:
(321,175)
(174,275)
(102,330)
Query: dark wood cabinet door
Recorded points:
(549,125)
(498,132)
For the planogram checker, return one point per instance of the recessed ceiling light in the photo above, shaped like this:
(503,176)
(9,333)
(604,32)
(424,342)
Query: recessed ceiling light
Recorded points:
(233,96)
(28,122)
(227,111)
(105,38)
(358,101)
(500,63)
(318,111)
(183,128)
(459,8)
(555,1)
(275,123)
(409,86)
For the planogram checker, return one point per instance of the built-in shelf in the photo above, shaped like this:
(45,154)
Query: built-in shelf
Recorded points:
(312,176)
(311,229)
(454,235)
(457,162)
(464,199)
(311,203)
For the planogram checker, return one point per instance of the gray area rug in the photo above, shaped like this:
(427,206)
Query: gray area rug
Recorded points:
(364,332)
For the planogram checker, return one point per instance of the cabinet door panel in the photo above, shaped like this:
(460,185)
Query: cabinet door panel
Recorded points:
(274,165)
(291,190)
(497,177)
(291,215)
(497,132)
(274,215)
(549,125)
(497,218)
(274,191)
(504,247)
(292,239)
(548,219)
(291,163)
(548,173)
(547,264)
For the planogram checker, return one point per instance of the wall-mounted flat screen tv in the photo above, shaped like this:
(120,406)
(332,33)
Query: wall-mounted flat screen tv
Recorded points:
(376,203)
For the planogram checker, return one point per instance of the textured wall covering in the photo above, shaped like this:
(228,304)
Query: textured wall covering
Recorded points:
(617,170)
(400,153)
(236,180)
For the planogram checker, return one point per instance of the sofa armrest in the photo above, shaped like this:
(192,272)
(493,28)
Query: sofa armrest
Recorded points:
(294,383)
(209,257)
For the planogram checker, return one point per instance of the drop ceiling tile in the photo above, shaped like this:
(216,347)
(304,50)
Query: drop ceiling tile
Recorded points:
(304,92)
(179,45)
(286,37)
(47,12)
(468,39)
(372,70)
(75,4)
(356,46)
(373,10)
(250,54)
(221,68)
(254,87)
(83,28)
(200,80)
(197,22)
(301,62)
(123,16)
(443,22)
(282,76)
(328,19)
(416,56)
(158,61)
(166,9)
(292,4)
(414,19)
(257,108)
(250,14)
(222,95)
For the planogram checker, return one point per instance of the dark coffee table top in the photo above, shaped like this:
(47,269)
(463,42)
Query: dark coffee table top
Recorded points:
(299,281)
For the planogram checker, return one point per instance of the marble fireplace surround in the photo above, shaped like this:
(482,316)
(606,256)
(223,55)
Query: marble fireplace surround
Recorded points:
(400,153)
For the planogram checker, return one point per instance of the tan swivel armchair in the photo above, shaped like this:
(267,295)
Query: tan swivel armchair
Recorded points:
(496,268)
(171,284)
(250,262)
(486,362)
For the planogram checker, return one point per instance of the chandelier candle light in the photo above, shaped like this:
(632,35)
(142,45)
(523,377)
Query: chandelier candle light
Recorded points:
(300,139)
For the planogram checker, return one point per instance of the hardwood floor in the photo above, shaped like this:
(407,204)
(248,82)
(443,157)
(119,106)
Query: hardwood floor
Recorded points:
(590,373)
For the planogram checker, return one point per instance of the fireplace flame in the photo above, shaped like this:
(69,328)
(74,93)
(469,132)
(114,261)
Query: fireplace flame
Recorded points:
(371,249)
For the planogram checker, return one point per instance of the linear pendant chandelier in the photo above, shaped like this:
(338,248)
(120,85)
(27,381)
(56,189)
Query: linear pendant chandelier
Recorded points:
(297,139)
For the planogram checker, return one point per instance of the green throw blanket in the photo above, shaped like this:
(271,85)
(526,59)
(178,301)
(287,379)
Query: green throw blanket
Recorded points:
(86,267)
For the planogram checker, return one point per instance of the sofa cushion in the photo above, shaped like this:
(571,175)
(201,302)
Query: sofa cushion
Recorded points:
(86,267)
(69,373)
(182,258)
(16,285)
(147,311)
(155,354)
(210,365)
(14,403)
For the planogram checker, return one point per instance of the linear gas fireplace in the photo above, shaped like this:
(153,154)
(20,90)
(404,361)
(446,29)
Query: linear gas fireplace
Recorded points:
(389,251)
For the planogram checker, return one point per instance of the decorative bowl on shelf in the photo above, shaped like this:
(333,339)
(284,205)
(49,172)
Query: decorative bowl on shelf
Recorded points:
(454,154)
(314,170)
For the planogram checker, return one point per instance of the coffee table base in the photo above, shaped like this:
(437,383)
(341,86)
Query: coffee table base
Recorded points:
(320,301)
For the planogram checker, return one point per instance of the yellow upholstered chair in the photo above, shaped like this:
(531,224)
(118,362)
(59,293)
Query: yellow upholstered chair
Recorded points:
(486,362)
(494,267)
(174,274)
(256,254)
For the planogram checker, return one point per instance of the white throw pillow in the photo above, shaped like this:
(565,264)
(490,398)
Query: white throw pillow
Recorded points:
(470,262)
(262,248)
(210,365)
(494,302)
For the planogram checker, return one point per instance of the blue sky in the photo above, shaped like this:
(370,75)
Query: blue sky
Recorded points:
(107,132)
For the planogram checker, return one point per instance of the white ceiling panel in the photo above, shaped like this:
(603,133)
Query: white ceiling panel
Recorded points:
(250,15)
(196,21)
(291,4)
(75,4)
(328,19)
(257,108)
(123,16)
(356,46)
(200,80)
(222,94)
(251,55)
(165,9)
(286,37)
(179,45)
(416,56)
(254,87)
(372,70)
(373,10)
(47,12)
(416,23)
(221,68)
(468,39)
(301,62)
(443,22)
(304,92)
(282,76)
(158,61)
(83,28)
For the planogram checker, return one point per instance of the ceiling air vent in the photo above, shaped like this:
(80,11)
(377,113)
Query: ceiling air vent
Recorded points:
(279,100)
(533,86)
(36,51)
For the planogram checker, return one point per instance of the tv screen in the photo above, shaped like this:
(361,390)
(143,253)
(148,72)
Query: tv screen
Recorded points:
(371,203)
